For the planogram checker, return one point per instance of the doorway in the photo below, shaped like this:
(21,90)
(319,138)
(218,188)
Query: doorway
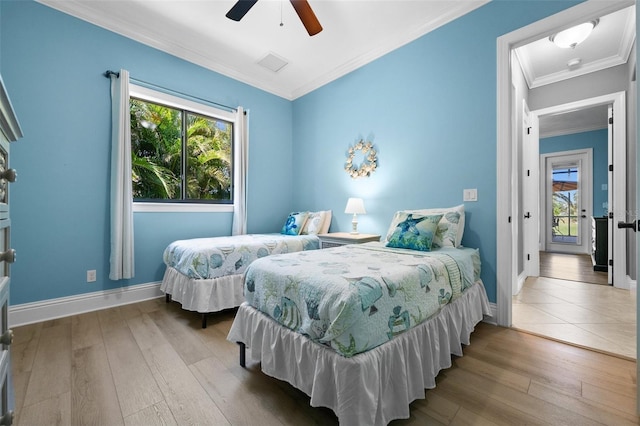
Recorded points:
(566,201)
(508,214)
(574,196)
(616,181)
(507,206)
(560,302)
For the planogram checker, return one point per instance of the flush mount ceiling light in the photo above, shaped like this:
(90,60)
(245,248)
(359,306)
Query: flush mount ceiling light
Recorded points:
(571,37)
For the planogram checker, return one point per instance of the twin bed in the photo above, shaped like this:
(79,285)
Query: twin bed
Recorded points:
(365,329)
(205,275)
(361,329)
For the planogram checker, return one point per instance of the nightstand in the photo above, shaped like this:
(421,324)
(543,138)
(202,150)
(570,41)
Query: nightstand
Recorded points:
(336,239)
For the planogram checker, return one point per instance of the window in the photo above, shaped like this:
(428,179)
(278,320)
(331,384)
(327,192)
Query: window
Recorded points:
(181,151)
(566,204)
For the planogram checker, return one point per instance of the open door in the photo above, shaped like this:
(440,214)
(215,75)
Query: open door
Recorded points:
(531,189)
(637,219)
(610,197)
(636,138)
(618,191)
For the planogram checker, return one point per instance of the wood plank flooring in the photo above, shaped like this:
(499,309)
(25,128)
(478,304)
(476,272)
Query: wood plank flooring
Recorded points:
(573,267)
(151,363)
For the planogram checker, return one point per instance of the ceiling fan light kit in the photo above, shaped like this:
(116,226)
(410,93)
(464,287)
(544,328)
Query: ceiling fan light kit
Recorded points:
(302,8)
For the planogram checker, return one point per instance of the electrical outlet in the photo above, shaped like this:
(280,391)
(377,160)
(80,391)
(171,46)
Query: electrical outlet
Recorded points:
(91,276)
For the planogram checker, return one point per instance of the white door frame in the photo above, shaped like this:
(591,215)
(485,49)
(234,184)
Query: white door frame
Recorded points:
(505,273)
(585,158)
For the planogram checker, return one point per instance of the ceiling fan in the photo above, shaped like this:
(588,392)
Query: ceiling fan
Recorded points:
(302,8)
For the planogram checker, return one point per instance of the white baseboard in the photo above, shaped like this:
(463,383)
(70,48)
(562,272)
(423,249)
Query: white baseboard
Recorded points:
(28,313)
(633,284)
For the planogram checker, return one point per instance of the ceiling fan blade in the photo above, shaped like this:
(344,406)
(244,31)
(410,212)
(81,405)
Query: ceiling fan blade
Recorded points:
(307,16)
(240,9)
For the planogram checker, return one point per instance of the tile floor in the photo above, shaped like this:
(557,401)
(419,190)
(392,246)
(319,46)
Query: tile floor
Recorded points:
(589,315)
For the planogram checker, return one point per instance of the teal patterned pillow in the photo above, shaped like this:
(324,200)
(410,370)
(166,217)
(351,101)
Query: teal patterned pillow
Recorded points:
(450,228)
(413,231)
(294,223)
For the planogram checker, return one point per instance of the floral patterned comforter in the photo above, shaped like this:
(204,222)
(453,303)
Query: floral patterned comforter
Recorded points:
(356,297)
(205,258)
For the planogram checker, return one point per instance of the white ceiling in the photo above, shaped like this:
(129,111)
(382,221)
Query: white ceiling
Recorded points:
(544,63)
(355,32)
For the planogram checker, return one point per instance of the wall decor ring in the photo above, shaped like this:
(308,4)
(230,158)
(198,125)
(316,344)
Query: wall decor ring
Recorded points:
(369,163)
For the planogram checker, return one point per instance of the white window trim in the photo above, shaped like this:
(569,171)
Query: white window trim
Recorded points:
(147,207)
(155,96)
(151,95)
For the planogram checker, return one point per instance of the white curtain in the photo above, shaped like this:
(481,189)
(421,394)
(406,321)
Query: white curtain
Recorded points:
(241,153)
(121,259)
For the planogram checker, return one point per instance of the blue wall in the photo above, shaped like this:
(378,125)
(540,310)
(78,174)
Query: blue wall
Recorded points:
(429,108)
(52,65)
(597,140)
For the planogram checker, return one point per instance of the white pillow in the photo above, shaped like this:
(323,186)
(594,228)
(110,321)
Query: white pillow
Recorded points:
(317,223)
(450,227)
(327,222)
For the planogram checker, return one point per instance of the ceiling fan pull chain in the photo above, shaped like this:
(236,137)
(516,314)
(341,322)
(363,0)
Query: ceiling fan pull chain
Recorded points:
(281,24)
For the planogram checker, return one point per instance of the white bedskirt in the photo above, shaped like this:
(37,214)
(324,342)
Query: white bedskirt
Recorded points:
(371,388)
(203,296)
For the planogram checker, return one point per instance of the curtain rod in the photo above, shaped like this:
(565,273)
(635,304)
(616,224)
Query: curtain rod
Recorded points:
(109,73)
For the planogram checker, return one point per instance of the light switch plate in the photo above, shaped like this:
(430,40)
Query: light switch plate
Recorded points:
(470,195)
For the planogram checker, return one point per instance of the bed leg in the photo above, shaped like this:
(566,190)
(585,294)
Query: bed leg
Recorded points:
(167,298)
(204,320)
(243,359)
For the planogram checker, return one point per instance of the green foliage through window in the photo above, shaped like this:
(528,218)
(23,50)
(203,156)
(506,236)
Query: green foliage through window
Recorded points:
(169,164)
(566,202)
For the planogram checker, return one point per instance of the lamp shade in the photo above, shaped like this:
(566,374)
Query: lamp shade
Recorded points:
(355,206)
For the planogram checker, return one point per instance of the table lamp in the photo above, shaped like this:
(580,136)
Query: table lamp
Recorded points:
(355,206)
